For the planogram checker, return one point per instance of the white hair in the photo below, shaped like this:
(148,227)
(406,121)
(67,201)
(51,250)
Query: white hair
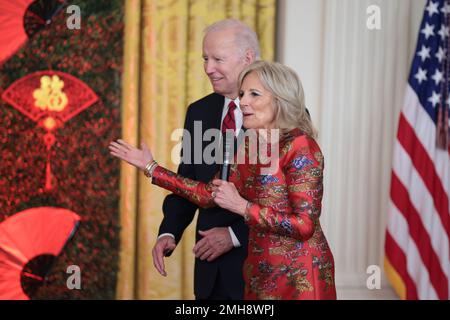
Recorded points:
(246,38)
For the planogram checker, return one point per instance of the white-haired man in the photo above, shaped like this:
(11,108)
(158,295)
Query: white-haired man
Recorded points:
(221,238)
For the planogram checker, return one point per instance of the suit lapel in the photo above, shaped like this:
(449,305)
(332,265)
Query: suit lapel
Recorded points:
(218,104)
(211,120)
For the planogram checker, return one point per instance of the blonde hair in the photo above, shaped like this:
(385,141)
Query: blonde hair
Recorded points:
(287,91)
(245,37)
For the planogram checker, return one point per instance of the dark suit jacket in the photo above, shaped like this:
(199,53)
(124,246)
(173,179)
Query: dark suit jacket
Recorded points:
(179,212)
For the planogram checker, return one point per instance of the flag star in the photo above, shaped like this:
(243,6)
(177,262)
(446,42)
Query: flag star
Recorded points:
(432,8)
(435,98)
(424,53)
(428,30)
(446,8)
(437,77)
(443,32)
(440,54)
(421,75)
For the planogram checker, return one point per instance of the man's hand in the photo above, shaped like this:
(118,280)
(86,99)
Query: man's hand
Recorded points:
(163,245)
(215,242)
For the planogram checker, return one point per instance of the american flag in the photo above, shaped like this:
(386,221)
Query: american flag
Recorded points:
(418,229)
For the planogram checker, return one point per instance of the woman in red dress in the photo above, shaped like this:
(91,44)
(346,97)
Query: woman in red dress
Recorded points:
(288,254)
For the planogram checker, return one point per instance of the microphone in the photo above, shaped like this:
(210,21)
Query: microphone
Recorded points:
(225,171)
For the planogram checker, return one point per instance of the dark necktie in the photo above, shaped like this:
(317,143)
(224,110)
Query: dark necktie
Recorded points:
(229,123)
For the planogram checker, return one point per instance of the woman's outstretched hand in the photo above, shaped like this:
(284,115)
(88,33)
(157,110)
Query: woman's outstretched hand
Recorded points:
(134,156)
(227,196)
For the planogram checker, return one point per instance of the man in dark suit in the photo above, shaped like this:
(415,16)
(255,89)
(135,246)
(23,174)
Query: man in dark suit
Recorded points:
(221,237)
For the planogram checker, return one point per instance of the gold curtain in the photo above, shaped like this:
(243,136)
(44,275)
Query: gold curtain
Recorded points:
(163,73)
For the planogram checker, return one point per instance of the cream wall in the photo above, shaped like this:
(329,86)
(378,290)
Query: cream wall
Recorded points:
(354,80)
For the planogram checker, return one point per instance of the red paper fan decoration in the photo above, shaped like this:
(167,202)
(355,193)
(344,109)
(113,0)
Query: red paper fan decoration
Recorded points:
(21,19)
(50,98)
(13,34)
(30,241)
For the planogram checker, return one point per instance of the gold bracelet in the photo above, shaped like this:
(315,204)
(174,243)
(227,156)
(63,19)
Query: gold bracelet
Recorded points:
(148,165)
(152,168)
(150,171)
(149,168)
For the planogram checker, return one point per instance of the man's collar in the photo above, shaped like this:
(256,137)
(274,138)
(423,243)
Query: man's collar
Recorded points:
(236,101)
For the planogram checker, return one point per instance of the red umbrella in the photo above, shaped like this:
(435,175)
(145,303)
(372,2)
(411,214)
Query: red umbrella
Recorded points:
(29,243)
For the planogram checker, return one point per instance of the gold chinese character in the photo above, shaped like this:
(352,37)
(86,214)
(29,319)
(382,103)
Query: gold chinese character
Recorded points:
(50,95)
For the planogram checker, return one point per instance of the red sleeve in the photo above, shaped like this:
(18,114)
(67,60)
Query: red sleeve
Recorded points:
(194,191)
(302,166)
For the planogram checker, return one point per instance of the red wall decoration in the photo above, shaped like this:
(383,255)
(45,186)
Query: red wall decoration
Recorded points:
(59,108)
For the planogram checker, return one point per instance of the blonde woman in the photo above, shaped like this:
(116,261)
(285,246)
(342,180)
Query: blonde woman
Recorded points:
(288,254)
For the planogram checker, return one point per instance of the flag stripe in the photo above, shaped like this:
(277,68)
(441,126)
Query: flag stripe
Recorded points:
(425,130)
(398,229)
(400,198)
(424,166)
(423,203)
(397,259)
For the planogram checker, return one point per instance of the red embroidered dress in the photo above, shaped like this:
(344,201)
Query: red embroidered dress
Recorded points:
(288,255)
